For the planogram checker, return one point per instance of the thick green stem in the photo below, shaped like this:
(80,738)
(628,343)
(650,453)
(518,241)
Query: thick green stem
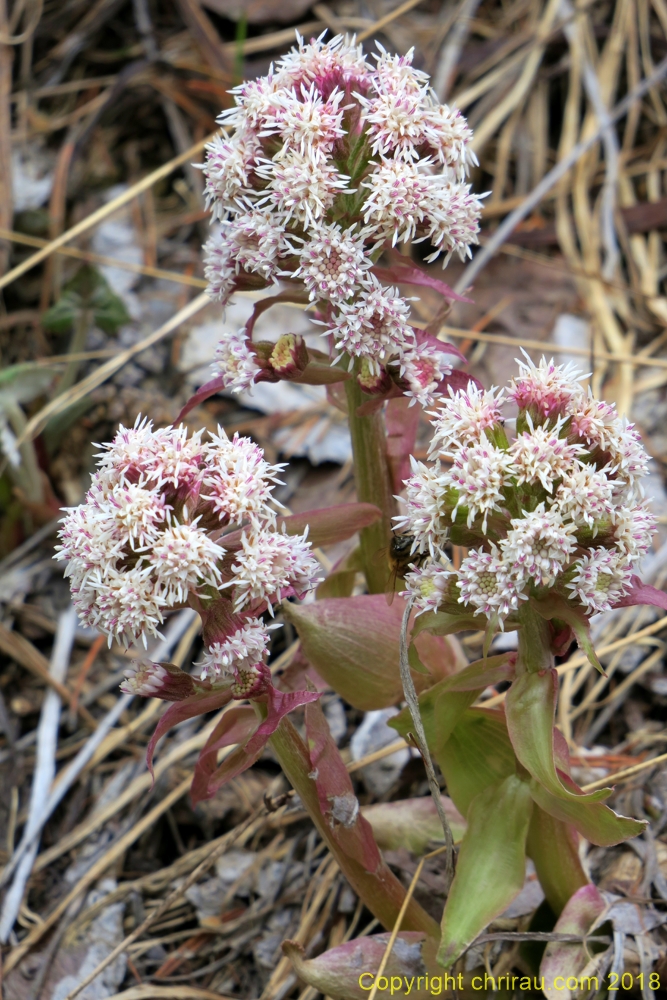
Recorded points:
(534,642)
(371,474)
(380,891)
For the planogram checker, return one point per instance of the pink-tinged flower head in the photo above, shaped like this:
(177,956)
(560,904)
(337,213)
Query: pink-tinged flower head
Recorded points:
(255,242)
(332,64)
(428,585)
(300,187)
(271,563)
(184,558)
(586,495)
(254,103)
(219,269)
(427,507)
(177,457)
(244,650)
(464,417)
(449,137)
(599,580)
(376,325)
(139,513)
(305,123)
(486,582)
(398,199)
(157,680)
(539,545)
(230,163)
(333,263)
(547,390)
(633,530)
(122,604)
(424,369)
(236,361)
(452,213)
(130,454)
(397,123)
(541,456)
(479,473)
(239,481)
(627,457)
(396,74)
(593,421)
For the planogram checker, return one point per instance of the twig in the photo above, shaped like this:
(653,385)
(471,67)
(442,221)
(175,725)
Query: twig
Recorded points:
(420,739)
(103,213)
(387,19)
(45,770)
(550,179)
(166,903)
(399,919)
(627,772)
(105,371)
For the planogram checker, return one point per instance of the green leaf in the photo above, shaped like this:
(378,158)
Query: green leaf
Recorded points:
(491,866)
(594,820)
(440,712)
(443,705)
(24,383)
(412,823)
(63,314)
(109,312)
(554,848)
(530,708)
(88,290)
(477,754)
(353,643)
(556,606)
(444,623)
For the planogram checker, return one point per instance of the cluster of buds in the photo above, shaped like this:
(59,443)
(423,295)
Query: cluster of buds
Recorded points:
(331,160)
(172,520)
(557,509)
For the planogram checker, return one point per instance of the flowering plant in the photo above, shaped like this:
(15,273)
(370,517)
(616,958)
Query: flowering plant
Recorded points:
(332,162)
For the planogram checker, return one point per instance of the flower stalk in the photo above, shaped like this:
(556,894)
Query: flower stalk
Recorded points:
(373,482)
(380,890)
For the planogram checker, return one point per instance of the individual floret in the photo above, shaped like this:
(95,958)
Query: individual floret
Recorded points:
(599,580)
(487,582)
(539,545)
(236,361)
(465,417)
(479,474)
(376,325)
(269,564)
(546,390)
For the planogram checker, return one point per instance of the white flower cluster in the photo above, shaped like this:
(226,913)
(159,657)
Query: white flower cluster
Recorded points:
(155,529)
(560,506)
(330,158)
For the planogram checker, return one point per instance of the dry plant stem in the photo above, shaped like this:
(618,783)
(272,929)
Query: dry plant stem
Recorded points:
(371,474)
(166,903)
(399,921)
(549,180)
(102,213)
(420,738)
(381,891)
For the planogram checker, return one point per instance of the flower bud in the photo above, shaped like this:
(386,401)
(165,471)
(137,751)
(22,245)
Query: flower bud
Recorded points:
(289,356)
(373,380)
(158,680)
